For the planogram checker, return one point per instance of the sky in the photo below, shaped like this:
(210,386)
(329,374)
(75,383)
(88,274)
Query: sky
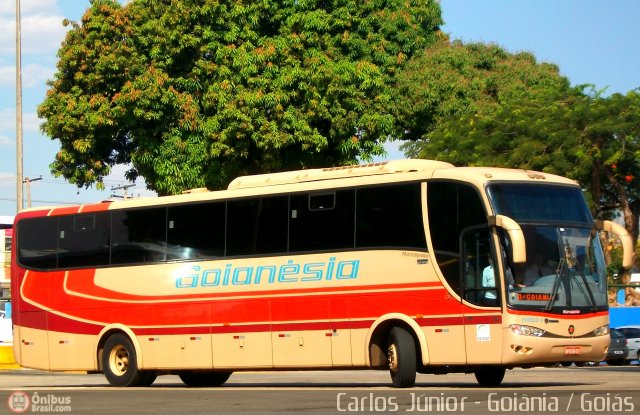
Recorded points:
(592,41)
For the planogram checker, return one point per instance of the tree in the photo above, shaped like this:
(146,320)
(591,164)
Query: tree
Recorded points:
(455,79)
(476,104)
(193,93)
(584,135)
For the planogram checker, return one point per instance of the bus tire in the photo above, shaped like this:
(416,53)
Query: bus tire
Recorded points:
(200,379)
(119,362)
(490,375)
(401,358)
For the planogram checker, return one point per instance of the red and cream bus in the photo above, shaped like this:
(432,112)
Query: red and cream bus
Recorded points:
(414,266)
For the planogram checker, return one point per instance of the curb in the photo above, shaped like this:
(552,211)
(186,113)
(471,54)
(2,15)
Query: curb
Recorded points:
(7,360)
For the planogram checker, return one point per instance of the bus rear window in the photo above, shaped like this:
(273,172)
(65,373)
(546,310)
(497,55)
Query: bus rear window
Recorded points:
(38,242)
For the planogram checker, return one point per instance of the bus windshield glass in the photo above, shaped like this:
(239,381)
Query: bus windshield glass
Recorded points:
(565,268)
(525,202)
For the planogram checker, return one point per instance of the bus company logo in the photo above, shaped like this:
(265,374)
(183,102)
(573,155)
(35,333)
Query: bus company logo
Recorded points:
(571,329)
(19,402)
(291,272)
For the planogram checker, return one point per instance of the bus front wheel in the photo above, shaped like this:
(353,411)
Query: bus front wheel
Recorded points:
(401,358)
(490,375)
(119,363)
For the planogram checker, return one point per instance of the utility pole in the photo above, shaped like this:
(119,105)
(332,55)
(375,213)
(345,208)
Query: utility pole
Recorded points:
(124,187)
(28,182)
(20,202)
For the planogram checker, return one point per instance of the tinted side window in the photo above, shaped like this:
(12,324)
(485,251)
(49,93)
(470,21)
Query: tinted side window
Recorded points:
(196,231)
(452,207)
(390,216)
(38,242)
(257,226)
(322,221)
(138,235)
(84,240)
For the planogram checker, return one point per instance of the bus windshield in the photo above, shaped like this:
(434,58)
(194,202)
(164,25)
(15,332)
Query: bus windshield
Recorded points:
(527,202)
(565,267)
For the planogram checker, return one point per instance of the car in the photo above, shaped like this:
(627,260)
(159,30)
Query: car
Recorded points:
(618,349)
(632,333)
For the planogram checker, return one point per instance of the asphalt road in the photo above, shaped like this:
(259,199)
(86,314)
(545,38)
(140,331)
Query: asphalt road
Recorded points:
(573,390)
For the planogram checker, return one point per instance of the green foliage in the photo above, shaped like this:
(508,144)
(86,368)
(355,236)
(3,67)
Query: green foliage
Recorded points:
(450,80)
(193,93)
(574,132)
(479,105)
(615,270)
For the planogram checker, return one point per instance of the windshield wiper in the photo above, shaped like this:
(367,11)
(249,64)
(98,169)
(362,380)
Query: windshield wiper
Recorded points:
(566,273)
(556,286)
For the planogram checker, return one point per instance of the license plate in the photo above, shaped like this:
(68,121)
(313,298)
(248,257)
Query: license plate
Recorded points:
(617,352)
(572,350)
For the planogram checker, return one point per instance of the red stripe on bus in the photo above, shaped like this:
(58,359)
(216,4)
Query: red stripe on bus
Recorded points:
(558,316)
(49,321)
(66,210)
(98,207)
(296,308)
(82,281)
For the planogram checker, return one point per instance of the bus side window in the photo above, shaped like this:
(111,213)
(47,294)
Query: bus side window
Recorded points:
(196,231)
(84,240)
(38,239)
(257,226)
(317,224)
(138,235)
(390,216)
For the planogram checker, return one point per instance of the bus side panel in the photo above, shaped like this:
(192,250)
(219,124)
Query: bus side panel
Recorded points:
(301,332)
(244,342)
(69,351)
(341,354)
(176,351)
(186,347)
(438,313)
(242,349)
(359,346)
(33,343)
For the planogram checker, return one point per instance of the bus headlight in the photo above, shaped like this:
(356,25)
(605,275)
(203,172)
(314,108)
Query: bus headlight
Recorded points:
(526,330)
(601,331)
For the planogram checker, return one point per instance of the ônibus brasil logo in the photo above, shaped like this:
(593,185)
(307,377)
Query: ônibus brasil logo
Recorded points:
(19,402)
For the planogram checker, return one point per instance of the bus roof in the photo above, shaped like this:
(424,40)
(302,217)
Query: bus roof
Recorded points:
(310,175)
(346,176)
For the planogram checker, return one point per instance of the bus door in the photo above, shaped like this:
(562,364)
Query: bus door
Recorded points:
(481,296)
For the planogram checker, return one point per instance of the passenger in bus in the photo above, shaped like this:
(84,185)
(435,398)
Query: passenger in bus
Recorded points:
(489,281)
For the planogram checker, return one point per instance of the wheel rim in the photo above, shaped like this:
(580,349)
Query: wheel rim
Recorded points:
(119,360)
(392,357)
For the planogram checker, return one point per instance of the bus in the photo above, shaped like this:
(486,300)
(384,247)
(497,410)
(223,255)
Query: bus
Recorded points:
(6,234)
(410,266)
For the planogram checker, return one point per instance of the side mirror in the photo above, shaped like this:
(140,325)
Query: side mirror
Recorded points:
(625,238)
(518,245)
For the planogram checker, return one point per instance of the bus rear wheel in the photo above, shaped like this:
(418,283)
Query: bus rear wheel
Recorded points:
(200,379)
(490,375)
(401,358)
(119,363)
